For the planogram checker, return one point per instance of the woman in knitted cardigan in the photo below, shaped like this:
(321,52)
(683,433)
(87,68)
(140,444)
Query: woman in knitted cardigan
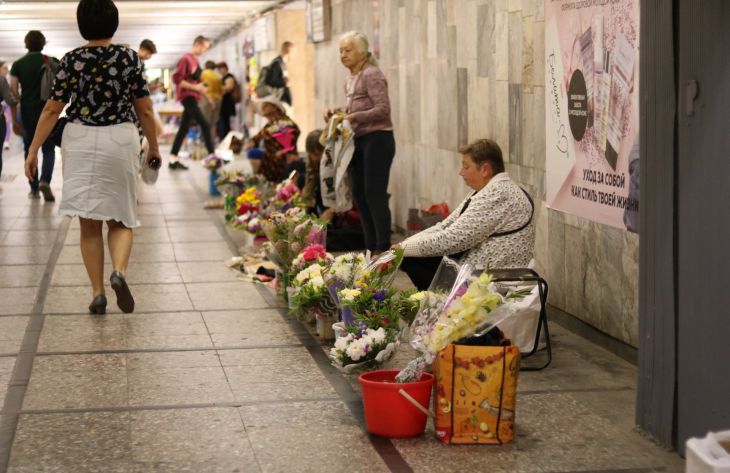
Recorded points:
(492,228)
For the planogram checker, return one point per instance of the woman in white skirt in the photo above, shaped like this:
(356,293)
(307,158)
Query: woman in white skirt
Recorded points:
(104,87)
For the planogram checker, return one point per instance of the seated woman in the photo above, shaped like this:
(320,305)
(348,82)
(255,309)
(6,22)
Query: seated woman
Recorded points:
(279,135)
(492,228)
(344,232)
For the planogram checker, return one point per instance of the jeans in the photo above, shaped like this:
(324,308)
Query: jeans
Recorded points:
(371,162)
(29,116)
(191,111)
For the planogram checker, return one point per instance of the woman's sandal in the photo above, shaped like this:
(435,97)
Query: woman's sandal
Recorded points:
(98,305)
(125,301)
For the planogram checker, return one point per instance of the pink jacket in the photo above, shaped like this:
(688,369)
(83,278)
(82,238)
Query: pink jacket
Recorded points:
(367,100)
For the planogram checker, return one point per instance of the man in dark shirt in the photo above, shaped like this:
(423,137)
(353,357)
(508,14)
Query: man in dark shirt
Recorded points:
(26,73)
(278,77)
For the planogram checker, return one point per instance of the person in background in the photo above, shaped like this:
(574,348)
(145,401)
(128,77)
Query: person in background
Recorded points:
(231,92)
(344,232)
(493,228)
(100,145)
(9,99)
(368,111)
(189,91)
(278,76)
(146,50)
(210,105)
(26,82)
(5,137)
(280,135)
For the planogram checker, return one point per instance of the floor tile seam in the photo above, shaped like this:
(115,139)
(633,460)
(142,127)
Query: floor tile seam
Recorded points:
(155,312)
(649,469)
(539,392)
(24,362)
(165,350)
(167,407)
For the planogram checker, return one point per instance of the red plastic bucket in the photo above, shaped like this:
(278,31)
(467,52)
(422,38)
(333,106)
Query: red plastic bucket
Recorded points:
(387,412)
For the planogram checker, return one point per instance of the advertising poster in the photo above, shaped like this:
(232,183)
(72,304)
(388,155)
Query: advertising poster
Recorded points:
(592,109)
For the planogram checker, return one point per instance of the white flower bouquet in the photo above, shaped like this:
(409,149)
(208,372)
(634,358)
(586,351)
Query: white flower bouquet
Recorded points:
(364,349)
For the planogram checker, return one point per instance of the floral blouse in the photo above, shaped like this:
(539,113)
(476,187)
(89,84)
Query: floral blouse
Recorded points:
(278,135)
(100,83)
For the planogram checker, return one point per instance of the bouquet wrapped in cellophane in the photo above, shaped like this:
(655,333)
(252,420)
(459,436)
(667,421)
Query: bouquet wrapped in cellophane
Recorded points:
(357,272)
(458,304)
(289,233)
(308,294)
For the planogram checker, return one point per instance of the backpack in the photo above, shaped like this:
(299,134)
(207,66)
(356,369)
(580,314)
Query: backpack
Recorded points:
(236,92)
(263,89)
(48,75)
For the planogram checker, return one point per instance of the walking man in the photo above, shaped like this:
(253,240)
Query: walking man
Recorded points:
(278,76)
(25,80)
(189,91)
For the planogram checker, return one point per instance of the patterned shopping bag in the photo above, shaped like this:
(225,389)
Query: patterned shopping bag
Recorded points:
(476,387)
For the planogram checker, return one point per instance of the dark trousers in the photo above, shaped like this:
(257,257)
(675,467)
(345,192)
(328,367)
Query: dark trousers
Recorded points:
(191,112)
(421,270)
(29,115)
(224,126)
(371,162)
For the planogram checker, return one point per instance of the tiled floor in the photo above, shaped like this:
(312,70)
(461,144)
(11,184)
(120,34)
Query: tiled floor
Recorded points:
(208,375)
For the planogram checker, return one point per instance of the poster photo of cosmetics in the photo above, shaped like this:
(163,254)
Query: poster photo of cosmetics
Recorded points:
(592,109)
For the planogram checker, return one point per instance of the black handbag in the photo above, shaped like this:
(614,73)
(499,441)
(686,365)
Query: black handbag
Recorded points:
(57,131)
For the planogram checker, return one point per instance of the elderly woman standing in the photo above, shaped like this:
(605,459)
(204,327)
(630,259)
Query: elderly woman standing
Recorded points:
(104,87)
(280,135)
(367,107)
(493,228)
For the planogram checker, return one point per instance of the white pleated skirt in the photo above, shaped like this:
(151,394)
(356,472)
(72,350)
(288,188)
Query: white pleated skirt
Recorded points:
(100,168)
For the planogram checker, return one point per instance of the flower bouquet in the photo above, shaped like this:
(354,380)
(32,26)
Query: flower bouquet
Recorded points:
(287,196)
(471,307)
(289,233)
(364,349)
(213,163)
(341,274)
(308,296)
(375,311)
(380,272)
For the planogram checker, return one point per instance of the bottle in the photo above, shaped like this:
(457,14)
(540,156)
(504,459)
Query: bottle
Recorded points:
(623,69)
(604,87)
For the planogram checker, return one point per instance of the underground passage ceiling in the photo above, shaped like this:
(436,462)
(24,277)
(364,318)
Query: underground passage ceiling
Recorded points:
(172,25)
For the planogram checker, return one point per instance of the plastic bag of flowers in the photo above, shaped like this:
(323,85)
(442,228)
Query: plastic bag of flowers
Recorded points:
(213,163)
(374,336)
(341,274)
(308,296)
(288,234)
(458,304)
(381,271)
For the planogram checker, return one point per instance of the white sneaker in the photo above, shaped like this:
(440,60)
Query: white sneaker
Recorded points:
(149,175)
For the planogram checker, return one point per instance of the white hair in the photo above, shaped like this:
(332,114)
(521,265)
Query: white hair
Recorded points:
(361,43)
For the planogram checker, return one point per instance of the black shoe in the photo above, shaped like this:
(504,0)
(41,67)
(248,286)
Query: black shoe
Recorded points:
(34,195)
(98,305)
(175,165)
(45,189)
(125,301)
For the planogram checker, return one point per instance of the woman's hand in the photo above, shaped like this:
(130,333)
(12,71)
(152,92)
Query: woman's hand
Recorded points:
(154,159)
(396,247)
(31,164)
(350,118)
(328,114)
(327,215)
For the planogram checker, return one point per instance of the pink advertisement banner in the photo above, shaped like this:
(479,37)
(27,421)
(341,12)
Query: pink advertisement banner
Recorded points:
(592,109)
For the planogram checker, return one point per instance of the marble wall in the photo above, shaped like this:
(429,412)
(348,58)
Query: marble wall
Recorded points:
(459,70)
